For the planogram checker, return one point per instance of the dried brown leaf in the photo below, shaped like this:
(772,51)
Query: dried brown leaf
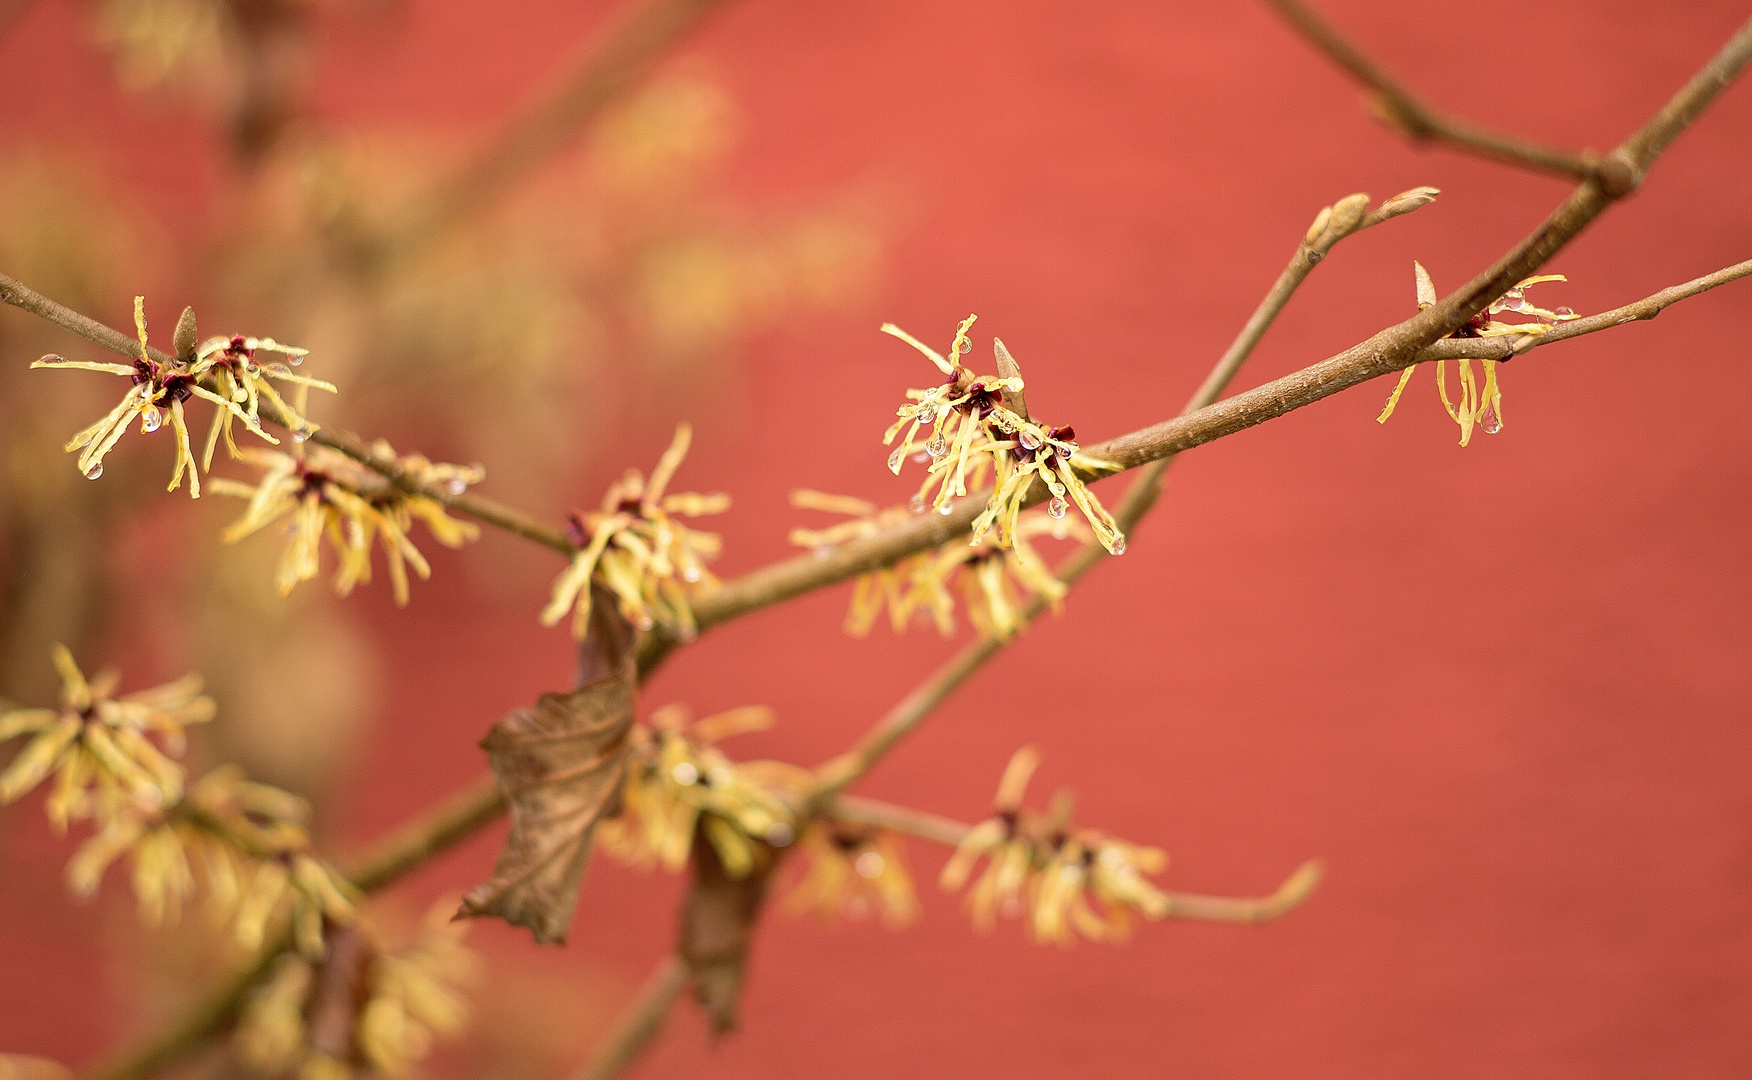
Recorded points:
(338,993)
(561,766)
(717,923)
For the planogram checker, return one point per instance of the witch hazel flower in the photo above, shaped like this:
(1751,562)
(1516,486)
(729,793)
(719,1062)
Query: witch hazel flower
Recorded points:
(680,784)
(977,422)
(329,497)
(1060,878)
(245,382)
(1481,406)
(157,397)
(853,870)
(99,747)
(636,547)
(886,587)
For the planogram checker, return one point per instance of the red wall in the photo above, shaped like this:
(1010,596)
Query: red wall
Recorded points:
(1503,691)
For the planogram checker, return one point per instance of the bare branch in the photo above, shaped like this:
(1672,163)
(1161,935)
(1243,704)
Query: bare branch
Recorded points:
(620,57)
(1399,109)
(642,1021)
(949,832)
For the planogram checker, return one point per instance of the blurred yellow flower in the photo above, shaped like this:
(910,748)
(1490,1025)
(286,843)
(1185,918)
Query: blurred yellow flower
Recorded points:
(635,547)
(853,870)
(1041,867)
(678,780)
(986,574)
(99,748)
(363,1005)
(325,494)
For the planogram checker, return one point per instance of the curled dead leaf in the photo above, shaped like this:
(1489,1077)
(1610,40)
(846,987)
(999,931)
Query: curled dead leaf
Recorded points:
(561,766)
(717,923)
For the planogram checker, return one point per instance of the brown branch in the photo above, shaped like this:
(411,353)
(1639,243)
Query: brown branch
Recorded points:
(949,832)
(1333,224)
(642,1021)
(616,60)
(478,507)
(1399,109)
(1396,347)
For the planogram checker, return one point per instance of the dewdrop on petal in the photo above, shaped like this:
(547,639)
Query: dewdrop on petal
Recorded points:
(980,427)
(1480,406)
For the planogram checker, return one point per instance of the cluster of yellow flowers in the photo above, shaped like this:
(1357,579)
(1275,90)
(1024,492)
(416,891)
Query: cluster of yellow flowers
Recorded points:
(247,838)
(635,547)
(327,494)
(679,783)
(330,496)
(853,870)
(1060,877)
(980,422)
(986,573)
(364,1006)
(1480,407)
(160,390)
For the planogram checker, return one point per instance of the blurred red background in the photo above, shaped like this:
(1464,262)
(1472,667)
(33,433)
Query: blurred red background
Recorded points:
(1502,691)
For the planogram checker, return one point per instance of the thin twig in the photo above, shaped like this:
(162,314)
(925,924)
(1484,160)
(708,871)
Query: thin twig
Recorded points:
(1398,108)
(478,507)
(621,56)
(1345,219)
(949,832)
(642,1021)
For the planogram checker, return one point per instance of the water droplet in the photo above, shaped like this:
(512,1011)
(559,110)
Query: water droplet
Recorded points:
(927,414)
(1070,873)
(779,834)
(1056,508)
(240,395)
(937,447)
(686,632)
(1059,532)
(869,865)
(921,457)
(456,486)
(1118,546)
(296,359)
(966,346)
(1565,313)
(685,773)
(1490,421)
(895,459)
(690,572)
(299,434)
(151,419)
(1029,439)
(645,622)
(52,359)
(916,504)
(822,551)
(946,509)
(95,471)
(1513,300)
